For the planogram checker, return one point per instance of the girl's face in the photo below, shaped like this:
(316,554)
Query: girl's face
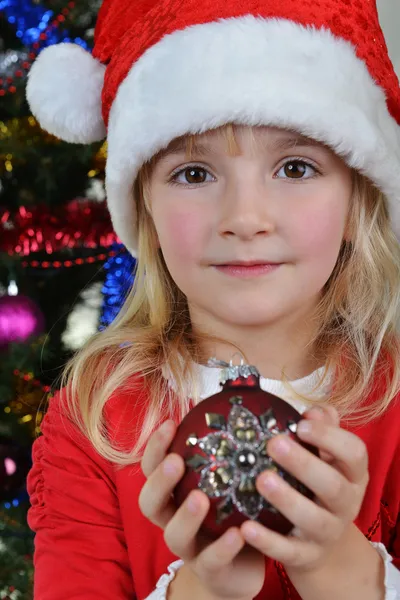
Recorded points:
(283,199)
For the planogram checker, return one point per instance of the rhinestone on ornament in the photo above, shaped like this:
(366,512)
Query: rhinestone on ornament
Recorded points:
(233,455)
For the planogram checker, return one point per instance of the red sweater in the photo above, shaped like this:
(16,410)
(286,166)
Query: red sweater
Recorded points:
(92,541)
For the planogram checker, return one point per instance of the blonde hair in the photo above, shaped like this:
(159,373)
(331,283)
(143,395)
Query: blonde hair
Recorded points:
(357,328)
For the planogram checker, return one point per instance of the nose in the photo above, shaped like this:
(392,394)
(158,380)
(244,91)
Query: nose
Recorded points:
(246,212)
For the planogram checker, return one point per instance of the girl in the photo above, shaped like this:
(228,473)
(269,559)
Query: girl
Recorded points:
(254,170)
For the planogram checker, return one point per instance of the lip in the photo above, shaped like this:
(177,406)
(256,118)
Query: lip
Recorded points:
(247,263)
(247,270)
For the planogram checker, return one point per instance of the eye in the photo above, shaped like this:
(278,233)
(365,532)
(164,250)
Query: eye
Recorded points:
(297,169)
(190,176)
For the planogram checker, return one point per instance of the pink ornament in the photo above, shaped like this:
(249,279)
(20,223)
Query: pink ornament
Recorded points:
(20,319)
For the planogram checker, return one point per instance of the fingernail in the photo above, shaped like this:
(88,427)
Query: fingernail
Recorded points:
(193,504)
(282,446)
(269,482)
(318,412)
(304,427)
(230,537)
(250,532)
(170,466)
(166,428)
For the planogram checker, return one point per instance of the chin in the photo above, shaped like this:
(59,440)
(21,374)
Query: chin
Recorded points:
(249,315)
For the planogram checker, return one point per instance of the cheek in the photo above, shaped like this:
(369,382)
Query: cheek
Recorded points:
(319,233)
(182,235)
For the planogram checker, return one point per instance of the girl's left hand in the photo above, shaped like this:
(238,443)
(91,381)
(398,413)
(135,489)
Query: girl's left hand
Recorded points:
(338,477)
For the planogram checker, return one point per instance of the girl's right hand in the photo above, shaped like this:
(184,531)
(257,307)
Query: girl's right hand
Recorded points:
(225,568)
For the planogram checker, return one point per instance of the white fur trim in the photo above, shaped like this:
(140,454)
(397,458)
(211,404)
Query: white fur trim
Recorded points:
(251,71)
(64,93)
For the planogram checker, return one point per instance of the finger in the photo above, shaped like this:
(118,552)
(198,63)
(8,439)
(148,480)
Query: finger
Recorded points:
(330,486)
(183,536)
(326,413)
(329,415)
(220,553)
(155,499)
(334,419)
(316,412)
(333,414)
(349,451)
(287,550)
(182,529)
(157,447)
(315,522)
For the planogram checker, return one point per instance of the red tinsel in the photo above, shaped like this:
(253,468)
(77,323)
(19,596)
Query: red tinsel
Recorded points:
(60,264)
(80,224)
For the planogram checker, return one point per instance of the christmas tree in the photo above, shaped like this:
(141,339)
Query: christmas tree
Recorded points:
(63,273)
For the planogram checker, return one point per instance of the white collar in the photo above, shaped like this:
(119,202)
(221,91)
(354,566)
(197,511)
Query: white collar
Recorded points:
(209,384)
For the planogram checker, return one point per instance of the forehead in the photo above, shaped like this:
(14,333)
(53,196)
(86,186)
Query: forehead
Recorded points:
(229,139)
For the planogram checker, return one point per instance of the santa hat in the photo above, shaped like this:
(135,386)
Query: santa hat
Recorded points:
(164,68)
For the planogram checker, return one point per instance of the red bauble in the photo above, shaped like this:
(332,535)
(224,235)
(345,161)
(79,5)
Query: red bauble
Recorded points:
(223,441)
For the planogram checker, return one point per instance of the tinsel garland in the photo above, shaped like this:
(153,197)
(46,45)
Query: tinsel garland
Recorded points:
(36,27)
(81,223)
(119,279)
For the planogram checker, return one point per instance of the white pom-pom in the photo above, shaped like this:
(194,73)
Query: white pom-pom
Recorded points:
(64,93)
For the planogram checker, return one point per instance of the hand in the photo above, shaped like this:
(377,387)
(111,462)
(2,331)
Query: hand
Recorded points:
(338,477)
(225,568)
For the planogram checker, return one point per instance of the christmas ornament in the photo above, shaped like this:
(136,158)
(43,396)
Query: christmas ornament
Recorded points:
(20,318)
(223,441)
(14,467)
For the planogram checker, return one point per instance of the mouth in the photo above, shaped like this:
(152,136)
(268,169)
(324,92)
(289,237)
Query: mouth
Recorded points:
(247,269)
(247,263)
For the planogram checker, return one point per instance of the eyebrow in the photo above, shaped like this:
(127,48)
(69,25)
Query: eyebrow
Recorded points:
(286,143)
(279,144)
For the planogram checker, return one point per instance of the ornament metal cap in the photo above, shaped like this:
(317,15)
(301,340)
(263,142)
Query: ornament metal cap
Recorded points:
(231,372)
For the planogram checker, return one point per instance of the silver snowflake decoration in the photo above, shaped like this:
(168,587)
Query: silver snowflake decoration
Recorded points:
(234,455)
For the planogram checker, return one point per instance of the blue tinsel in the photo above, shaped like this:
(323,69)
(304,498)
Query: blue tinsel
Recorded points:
(118,282)
(30,20)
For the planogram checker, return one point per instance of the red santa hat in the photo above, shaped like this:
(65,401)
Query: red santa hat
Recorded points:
(164,68)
